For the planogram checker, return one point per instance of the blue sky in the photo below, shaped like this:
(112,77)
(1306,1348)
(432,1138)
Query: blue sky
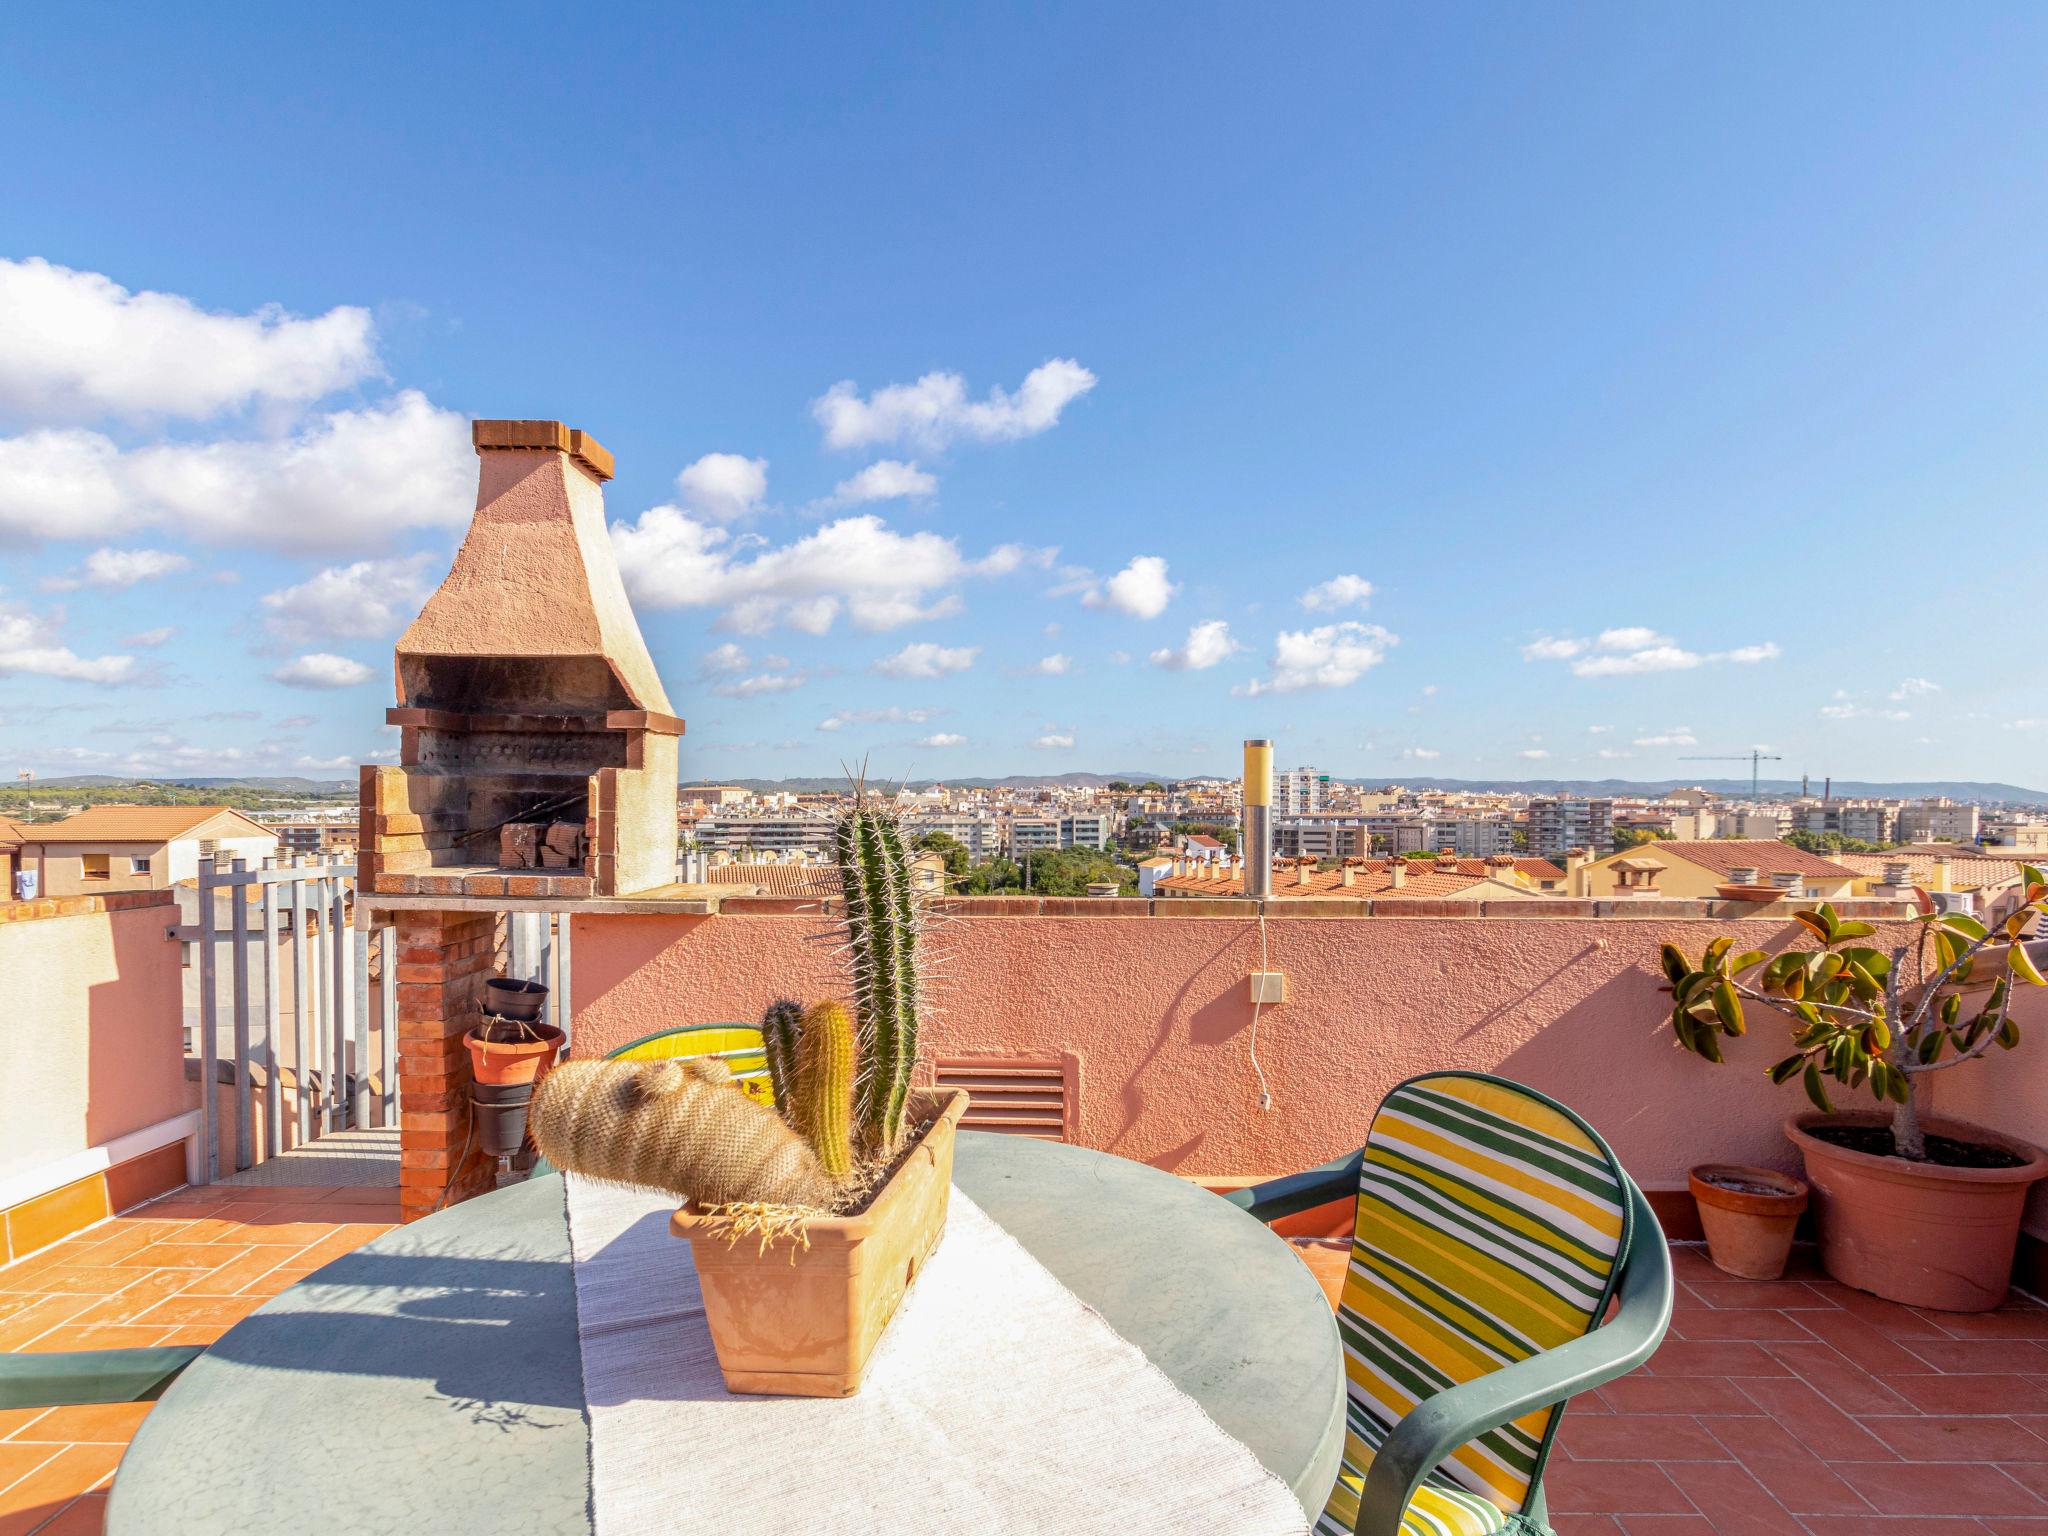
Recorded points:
(1530,392)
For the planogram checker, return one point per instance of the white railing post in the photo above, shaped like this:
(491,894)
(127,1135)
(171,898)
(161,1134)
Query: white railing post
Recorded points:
(209,1163)
(273,1013)
(302,1054)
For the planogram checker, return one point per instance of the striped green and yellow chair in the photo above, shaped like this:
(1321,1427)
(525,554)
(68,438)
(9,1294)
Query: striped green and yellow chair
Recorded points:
(1493,1229)
(737,1045)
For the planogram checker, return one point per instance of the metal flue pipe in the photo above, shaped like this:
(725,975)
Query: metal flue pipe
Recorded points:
(1258,819)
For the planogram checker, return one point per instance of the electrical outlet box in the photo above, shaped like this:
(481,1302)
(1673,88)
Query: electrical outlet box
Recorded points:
(1269,987)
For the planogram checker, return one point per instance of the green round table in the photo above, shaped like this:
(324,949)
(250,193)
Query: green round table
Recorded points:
(430,1381)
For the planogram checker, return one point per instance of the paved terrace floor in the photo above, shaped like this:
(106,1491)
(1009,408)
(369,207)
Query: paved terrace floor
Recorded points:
(1798,1407)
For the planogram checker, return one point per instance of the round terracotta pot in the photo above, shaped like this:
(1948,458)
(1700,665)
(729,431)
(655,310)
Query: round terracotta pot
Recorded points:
(513,1061)
(1916,1233)
(1749,1227)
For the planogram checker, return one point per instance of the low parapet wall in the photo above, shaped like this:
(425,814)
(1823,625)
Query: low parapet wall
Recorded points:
(1148,1003)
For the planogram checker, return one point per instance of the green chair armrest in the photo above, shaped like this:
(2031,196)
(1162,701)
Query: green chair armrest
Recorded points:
(1295,1192)
(1439,1425)
(91,1376)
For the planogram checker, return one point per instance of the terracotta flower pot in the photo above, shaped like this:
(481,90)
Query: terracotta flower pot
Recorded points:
(801,1321)
(513,1061)
(1749,892)
(1749,1215)
(1917,1233)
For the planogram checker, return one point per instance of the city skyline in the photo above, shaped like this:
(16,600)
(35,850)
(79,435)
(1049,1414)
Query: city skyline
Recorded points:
(1439,408)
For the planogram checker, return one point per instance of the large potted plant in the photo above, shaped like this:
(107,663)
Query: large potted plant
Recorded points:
(808,1221)
(1915,1208)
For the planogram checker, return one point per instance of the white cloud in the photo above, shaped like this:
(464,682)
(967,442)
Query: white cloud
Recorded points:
(149,639)
(119,568)
(893,715)
(1533,754)
(1059,664)
(1141,589)
(1328,656)
(943,739)
(723,486)
(363,601)
(1337,592)
(1677,736)
(1598,730)
(1055,741)
(1120,658)
(321,669)
(28,645)
(1612,755)
(884,480)
(1632,650)
(344,480)
(856,566)
(1208,643)
(76,346)
(760,683)
(728,657)
(922,658)
(1915,687)
(935,411)
(1862,712)
(1420,754)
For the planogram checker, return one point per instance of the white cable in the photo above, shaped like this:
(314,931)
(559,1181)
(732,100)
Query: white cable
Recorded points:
(1265,1094)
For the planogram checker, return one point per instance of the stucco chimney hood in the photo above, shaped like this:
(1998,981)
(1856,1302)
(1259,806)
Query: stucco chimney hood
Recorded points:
(537,751)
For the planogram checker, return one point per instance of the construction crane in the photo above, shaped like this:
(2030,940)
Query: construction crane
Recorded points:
(1752,758)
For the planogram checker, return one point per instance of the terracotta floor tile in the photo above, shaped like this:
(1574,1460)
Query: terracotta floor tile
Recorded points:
(1633,1437)
(95,1336)
(1807,1487)
(1848,1387)
(1953,1488)
(1981,1357)
(214,1311)
(1904,1525)
(1815,1422)
(1678,1394)
(341,1240)
(149,1287)
(86,1516)
(17,1461)
(1748,1295)
(92,1423)
(2003,1396)
(73,1470)
(74,1280)
(202,1334)
(45,1313)
(1936,1437)
(1714,1357)
(1614,1488)
(14,1420)
(179,1256)
(1706,1323)
(299,1232)
(2019,1323)
(1733,1500)
(1887,1317)
(1867,1348)
(242,1271)
(1668,1525)
(1758,1438)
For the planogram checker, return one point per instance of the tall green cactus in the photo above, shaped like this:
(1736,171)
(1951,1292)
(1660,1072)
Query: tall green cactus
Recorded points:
(823,1094)
(781,1025)
(882,912)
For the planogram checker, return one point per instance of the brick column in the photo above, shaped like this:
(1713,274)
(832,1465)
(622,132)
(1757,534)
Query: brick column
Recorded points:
(443,961)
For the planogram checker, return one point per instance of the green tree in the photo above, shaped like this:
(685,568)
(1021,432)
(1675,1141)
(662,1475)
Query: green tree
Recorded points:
(1626,838)
(952,850)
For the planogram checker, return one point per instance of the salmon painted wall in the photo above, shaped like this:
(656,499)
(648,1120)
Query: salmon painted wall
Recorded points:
(91,1046)
(1156,1009)
(2008,1090)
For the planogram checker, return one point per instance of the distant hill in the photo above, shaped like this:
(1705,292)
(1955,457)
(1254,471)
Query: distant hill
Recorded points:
(285,786)
(1849,789)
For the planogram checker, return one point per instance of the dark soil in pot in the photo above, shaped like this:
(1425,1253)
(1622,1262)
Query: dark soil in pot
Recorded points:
(1942,1151)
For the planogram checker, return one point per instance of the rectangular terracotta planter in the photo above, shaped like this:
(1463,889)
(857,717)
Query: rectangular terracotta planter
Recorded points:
(801,1322)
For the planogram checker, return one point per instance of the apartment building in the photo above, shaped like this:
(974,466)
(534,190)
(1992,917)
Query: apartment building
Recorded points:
(1300,792)
(1050,834)
(1558,824)
(107,848)
(789,833)
(1870,821)
(1938,821)
(981,836)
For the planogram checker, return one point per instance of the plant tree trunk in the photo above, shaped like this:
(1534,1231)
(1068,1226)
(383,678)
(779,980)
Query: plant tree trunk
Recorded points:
(1908,1140)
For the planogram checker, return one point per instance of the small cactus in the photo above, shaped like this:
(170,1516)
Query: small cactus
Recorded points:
(781,1024)
(678,1126)
(883,914)
(824,1086)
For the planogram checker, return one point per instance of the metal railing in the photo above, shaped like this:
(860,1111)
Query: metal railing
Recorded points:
(305,902)
(296,916)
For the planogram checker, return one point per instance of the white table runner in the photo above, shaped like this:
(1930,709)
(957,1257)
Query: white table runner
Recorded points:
(998,1403)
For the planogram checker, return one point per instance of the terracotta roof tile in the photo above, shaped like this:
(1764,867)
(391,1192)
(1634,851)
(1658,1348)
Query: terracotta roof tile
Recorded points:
(136,824)
(1721,855)
(1966,872)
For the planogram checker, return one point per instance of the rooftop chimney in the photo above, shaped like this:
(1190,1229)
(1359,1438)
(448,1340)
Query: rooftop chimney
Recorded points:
(535,735)
(1941,873)
(1897,872)
(1397,874)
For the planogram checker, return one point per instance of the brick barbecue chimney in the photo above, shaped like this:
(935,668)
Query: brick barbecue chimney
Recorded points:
(537,751)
